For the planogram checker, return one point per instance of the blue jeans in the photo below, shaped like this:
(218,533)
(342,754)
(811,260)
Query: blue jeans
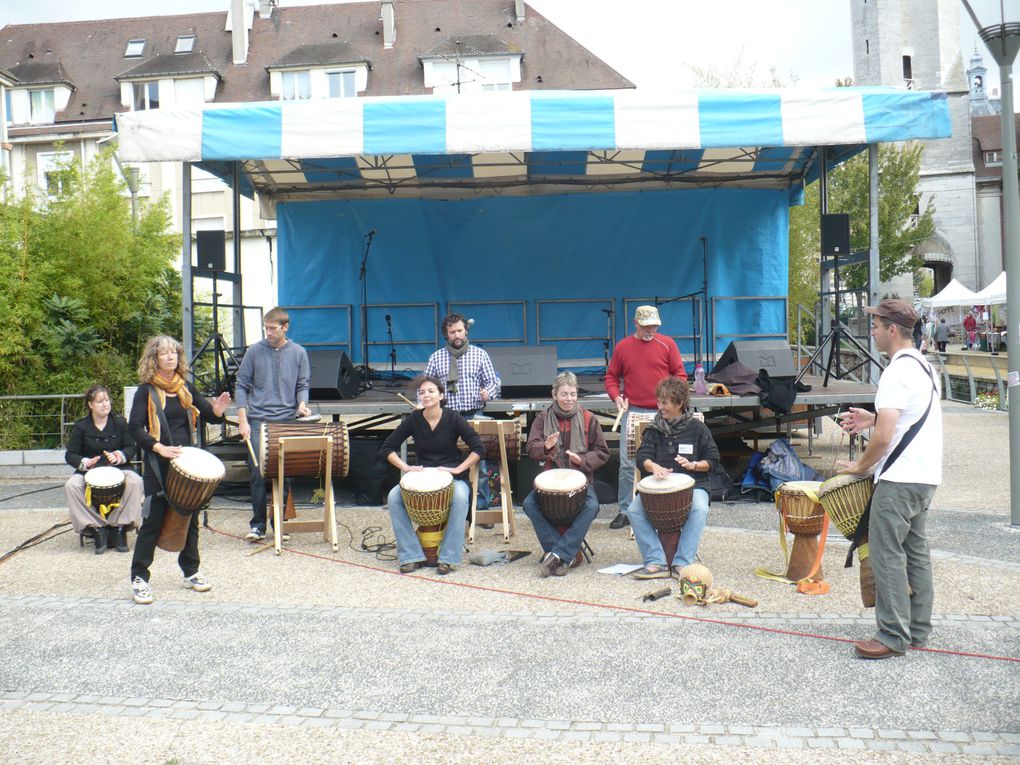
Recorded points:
(563,546)
(647,538)
(451,548)
(625,492)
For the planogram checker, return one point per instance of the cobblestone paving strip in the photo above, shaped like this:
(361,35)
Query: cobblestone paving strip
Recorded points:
(607,613)
(722,734)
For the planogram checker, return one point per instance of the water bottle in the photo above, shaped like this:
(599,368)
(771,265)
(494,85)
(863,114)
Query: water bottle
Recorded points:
(699,380)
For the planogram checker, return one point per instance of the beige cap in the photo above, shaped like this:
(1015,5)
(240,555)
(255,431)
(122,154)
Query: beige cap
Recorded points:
(647,316)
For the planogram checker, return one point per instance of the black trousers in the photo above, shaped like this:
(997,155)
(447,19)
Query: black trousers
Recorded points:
(145,546)
(257,484)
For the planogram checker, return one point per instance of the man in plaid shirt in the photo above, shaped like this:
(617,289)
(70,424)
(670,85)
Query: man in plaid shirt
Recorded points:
(470,379)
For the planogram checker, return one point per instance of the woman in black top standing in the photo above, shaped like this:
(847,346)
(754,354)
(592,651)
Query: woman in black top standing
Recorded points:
(164,416)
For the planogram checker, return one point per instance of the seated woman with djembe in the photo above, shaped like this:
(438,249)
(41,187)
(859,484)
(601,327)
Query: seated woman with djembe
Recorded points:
(435,430)
(101,440)
(164,416)
(565,437)
(674,442)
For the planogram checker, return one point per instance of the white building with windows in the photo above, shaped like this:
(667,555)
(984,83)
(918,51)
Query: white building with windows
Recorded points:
(68,81)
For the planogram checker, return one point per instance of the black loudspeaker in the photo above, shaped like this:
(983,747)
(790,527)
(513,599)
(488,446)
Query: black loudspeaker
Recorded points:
(836,234)
(774,356)
(212,250)
(332,375)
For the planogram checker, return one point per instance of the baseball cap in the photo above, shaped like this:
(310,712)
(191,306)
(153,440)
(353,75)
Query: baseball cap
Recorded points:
(895,310)
(647,316)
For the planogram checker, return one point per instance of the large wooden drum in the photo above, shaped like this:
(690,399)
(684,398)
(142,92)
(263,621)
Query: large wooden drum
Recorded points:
(845,499)
(560,493)
(667,502)
(299,463)
(428,495)
(803,516)
(190,483)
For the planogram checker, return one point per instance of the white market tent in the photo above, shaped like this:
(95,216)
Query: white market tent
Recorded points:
(954,294)
(994,293)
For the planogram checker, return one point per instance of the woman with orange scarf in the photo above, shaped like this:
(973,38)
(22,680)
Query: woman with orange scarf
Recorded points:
(160,431)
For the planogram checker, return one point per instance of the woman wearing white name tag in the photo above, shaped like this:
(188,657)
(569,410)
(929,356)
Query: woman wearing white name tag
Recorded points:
(674,442)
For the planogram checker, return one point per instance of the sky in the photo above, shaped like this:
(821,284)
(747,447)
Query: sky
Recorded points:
(656,42)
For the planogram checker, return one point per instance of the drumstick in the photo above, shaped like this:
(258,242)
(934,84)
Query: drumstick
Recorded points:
(410,403)
(616,423)
(251,451)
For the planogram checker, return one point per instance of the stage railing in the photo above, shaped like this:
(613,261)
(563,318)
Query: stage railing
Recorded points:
(346,318)
(468,309)
(608,319)
(431,341)
(728,337)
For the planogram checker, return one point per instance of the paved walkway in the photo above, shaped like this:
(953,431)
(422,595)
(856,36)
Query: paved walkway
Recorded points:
(321,657)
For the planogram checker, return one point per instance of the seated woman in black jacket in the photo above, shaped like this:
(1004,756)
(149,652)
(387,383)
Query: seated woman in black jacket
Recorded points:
(675,441)
(102,439)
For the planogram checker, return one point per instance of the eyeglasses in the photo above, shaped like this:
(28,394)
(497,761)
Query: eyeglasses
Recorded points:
(272,327)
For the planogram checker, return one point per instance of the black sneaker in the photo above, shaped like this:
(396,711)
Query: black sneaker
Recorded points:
(619,521)
(549,565)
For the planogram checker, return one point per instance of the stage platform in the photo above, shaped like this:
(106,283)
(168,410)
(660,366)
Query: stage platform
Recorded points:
(378,407)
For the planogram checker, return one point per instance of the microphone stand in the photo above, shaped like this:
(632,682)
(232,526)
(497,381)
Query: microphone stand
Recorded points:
(609,312)
(694,316)
(367,377)
(393,383)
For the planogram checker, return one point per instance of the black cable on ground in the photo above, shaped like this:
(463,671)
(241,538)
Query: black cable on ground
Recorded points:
(34,491)
(38,539)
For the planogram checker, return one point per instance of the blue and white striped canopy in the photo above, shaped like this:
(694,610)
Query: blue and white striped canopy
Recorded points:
(404,145)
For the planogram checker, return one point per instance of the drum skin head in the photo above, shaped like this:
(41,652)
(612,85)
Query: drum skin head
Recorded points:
(107,475)
(797,487)
(427,480)
(560,480)
(199,463)
(839,481)
(673,482)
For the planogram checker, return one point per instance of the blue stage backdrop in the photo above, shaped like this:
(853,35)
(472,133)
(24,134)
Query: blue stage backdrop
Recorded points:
(590,248)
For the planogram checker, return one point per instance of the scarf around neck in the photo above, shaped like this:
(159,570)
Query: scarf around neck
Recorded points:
(578,434)
(174,386)
(453,375)
(671,428)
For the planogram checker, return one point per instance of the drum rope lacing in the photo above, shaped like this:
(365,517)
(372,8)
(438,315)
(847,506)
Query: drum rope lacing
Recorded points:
(611,606)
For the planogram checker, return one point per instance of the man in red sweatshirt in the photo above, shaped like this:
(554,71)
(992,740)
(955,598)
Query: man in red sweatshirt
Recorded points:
(638,363)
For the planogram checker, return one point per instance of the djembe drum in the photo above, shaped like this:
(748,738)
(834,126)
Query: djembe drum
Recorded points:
(845,498)
(667,503)
(104,487)
(427,496)
(190,483)
(797,503)
(303,463)
(560,493)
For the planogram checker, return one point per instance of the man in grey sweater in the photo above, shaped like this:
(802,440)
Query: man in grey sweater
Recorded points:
(272,386)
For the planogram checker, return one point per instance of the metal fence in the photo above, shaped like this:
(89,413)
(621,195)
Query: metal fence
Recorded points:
(969,387)
(38,422)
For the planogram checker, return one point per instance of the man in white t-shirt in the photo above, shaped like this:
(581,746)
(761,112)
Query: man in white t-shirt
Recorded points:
(908,412)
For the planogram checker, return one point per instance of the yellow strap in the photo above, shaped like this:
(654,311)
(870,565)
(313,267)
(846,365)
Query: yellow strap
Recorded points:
(88,496)
(764,573)
(809,585)
(105,510)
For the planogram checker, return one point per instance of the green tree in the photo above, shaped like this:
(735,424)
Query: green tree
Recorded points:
(80,288)
(901,223)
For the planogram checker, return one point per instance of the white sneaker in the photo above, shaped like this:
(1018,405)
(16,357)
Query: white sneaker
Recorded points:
(141,591)
(255,535)
(197,582)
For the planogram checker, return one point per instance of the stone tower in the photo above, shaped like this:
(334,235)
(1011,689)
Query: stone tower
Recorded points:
(916,44)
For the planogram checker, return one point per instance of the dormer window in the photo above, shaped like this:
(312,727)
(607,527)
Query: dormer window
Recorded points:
(135,48)
(296,86)
(144,95)
(185,44)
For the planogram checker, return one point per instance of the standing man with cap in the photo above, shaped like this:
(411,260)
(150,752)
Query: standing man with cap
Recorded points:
(639,362)
(470,379)
(905,449)
(272,386)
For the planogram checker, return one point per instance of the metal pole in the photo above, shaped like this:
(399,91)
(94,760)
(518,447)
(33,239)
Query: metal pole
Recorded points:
(874,254)
(187,315)
(1003,41)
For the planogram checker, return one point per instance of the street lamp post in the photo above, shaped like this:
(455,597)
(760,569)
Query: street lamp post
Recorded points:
(1003,41)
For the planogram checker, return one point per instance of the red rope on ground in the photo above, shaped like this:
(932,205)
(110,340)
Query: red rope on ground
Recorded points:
(610,606)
